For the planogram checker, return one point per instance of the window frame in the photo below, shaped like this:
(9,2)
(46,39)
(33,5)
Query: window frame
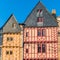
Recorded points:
(9,38)
(43,48)
(13,25)
(7,52)
(27,50)
(38,32)
(39,19)
(41,32)
(27,34)
(39,48)
(11,52)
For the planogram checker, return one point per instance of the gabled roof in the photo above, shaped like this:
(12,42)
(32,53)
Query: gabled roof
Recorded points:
(7,28)
(31,20)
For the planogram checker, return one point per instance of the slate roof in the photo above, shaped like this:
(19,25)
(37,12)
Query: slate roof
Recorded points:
(31,20)
(1,38)
(7,28)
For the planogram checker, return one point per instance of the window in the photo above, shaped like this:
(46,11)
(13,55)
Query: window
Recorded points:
(38,32)
(58,33)
(43,48)
(7,52)
(13,25)
(39,48)
(39,19)
(27,33)
(9,38)
(43,32)
(39,13)
(26,50)
(11,52)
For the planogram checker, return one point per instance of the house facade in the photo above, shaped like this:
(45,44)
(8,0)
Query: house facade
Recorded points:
(40,35)
(35,39)
(12,48)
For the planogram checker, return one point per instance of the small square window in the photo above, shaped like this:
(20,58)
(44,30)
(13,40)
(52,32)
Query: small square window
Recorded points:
(11,52)
(13,25)
(58,33)
(7,38)
(43,48)
(39,19)
(39,48)
(27,33)
(11,39)
(7,52)
(26,50)
(39,13)
(38,32)
(43,32)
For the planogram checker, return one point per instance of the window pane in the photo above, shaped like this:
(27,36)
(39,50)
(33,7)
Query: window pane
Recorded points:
(39,48)
(13,25)
(39,13)
(7,38)
(27,34)
(43,48)
(39,32)
(11,52)
(7,52)
(39,19)
(43,32)
(11,38)
(26,50)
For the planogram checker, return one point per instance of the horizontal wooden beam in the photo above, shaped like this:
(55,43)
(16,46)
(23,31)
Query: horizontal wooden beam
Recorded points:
(41,42)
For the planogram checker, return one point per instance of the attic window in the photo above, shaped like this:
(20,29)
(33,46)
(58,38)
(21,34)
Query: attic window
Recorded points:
(26,50)
(13,25)
(39,19)
(39,13)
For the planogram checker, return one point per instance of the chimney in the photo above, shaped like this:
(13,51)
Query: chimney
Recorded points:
(54,13)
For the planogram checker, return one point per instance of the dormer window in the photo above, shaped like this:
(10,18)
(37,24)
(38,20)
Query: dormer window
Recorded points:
(39,13)
(39,19)
(13,25)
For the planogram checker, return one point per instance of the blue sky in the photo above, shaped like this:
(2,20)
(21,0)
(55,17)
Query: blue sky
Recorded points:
(21,8)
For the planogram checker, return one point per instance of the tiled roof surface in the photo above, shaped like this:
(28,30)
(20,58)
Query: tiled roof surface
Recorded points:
(48,19)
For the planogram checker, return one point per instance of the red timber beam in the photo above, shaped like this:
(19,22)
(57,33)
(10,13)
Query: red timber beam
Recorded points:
(42,59)
(42,42)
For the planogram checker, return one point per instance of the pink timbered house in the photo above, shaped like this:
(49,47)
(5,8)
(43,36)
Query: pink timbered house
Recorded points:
(40,35)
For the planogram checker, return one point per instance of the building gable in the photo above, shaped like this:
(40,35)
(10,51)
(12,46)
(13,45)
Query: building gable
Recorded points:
(48,19)
(11,26)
